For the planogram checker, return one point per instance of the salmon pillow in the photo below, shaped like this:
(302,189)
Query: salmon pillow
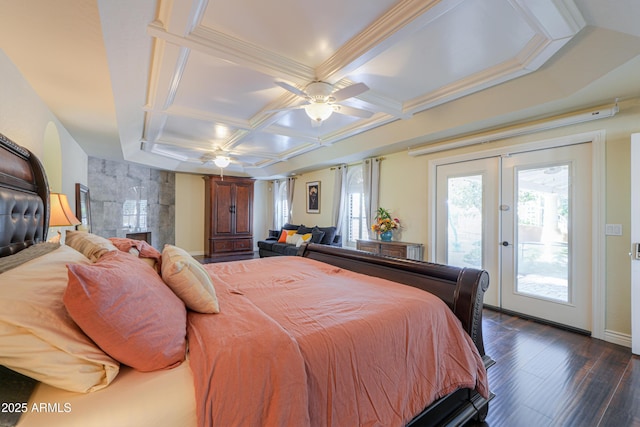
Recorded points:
(124,306)
(140,249)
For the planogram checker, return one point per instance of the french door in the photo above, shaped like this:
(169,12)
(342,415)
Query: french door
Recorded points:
(526,219)
(466,221)
(635,254)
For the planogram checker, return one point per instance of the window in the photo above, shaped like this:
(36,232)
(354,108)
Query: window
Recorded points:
(356,226)
(282,205)
(134,209)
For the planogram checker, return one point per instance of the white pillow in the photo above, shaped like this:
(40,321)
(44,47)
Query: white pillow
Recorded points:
(38,338)
(304,238)
(294,239)
(90,245)
(188,279)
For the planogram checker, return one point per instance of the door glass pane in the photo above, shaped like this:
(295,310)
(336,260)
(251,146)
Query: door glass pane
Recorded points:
(542,234)
(464,211)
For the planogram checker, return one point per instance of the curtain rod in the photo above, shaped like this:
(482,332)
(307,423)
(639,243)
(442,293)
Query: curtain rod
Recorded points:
(284,179)
(378,159)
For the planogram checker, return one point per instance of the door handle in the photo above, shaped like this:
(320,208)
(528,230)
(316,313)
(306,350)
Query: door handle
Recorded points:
(505,243)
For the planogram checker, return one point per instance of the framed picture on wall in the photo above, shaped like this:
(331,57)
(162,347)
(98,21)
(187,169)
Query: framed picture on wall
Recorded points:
(83,207)
(313,197)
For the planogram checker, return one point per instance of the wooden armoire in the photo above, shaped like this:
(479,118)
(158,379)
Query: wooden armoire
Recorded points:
(228,216)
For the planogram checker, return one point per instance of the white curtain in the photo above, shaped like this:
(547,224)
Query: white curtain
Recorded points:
(339,196)
(275,195)
(371,178)
(291,183)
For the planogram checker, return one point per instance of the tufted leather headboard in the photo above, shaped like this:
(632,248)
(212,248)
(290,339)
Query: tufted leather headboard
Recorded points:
(24,198)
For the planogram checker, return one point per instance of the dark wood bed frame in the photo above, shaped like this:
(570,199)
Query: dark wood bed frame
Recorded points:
(24,218)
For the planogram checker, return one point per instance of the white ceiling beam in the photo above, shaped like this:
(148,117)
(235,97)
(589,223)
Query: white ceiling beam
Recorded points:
(556,19)
(405,18)
(197,114)
(236,51)
(474,83)
(167,148)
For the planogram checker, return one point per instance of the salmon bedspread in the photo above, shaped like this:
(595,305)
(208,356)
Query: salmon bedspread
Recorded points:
(302,343)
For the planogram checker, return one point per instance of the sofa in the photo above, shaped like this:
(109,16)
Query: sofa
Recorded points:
(289,239)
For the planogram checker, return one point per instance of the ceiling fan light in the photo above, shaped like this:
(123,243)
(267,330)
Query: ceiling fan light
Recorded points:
(318,111)
(222,161)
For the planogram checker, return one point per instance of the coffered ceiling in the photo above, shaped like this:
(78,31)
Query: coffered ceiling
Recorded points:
(176,83)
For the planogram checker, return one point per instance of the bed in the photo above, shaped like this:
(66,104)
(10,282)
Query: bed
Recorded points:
(330,337)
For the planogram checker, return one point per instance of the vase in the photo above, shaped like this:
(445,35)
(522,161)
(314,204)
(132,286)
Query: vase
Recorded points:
(385,236)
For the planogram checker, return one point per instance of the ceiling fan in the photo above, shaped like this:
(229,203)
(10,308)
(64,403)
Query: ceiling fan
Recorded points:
(322,99)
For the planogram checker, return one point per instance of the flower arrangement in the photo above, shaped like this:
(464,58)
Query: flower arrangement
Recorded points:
(384,222)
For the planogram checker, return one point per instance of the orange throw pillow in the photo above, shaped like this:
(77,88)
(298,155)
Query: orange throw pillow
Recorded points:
(283,237)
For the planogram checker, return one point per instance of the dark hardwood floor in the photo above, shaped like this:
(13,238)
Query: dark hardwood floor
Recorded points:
(545,376)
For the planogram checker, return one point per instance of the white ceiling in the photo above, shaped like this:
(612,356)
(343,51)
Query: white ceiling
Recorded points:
(171,83)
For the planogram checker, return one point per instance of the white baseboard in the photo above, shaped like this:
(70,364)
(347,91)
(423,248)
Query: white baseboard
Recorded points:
(617,338)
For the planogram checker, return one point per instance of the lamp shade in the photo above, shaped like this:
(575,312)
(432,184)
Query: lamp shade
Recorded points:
(61,214)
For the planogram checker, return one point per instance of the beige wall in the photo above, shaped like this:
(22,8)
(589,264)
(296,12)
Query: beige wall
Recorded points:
(26,120)
(300,215)
(262,217)
(190,213)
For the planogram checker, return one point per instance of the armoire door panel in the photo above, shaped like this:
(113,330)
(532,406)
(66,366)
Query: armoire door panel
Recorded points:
(223,219)
(243,209)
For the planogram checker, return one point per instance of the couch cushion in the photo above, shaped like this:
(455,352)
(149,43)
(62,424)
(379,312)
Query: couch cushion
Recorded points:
(290,250)
(329,235)
(288,226)
(316,235)
(274,234)
(266,244)
(304,230)
(280,248)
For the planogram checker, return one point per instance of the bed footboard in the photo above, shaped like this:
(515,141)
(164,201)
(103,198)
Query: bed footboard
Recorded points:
(462,289)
